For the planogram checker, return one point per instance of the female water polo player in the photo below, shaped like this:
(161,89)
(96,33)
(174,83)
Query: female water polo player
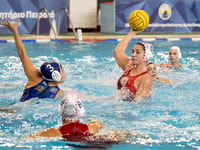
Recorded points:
(71,109)
(151,67)
(174,56)
(42,84)
(136,81)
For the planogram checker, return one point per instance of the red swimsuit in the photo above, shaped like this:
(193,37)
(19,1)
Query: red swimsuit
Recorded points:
(74,131)
(128,81)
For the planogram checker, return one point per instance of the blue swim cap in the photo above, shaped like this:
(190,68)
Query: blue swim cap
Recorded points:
(51,71)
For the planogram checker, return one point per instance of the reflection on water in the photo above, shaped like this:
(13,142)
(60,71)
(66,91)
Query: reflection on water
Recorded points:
(169,117)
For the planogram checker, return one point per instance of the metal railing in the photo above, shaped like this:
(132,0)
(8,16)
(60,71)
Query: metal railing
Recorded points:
(38,21)
(70,21)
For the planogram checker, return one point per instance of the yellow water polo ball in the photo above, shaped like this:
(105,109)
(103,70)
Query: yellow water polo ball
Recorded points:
(138,20)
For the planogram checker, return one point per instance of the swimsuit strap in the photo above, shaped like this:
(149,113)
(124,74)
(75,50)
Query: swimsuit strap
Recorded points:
(41,94)
(128,71)
(74,128)
(140,74)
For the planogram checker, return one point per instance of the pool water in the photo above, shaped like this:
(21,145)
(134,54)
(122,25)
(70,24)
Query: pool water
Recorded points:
(170,116)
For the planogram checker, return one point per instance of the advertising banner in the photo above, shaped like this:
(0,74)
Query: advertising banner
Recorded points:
(167,16)
(27,11)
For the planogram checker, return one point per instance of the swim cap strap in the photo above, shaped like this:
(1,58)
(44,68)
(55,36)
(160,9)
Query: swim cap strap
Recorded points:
(148,51)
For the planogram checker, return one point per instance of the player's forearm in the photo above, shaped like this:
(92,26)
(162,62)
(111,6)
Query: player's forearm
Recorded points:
(19,45)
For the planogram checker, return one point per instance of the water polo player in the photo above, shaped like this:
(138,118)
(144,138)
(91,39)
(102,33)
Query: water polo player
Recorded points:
(71,110)
(174,56)
(136,82)
(152,69)
(42,84)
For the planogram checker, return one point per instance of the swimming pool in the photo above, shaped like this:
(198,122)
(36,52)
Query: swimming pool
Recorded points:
(171,116)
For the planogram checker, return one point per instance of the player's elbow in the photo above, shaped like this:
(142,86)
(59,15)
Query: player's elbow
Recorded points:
(99,124)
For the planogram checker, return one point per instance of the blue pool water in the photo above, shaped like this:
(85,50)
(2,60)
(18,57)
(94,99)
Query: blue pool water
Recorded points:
(170,117)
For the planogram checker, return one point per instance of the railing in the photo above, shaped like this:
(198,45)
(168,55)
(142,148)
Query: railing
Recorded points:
(66,10)
(38,21)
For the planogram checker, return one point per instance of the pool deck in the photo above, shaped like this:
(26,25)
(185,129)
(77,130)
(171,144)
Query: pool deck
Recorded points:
(102,36)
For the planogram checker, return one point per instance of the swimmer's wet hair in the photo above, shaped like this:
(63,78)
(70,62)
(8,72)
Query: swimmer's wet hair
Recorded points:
(148,50)
(141,44)
(149,62)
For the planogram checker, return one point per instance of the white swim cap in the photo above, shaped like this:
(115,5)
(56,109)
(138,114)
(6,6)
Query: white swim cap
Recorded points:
(71,108)
(148,51)
(178,50)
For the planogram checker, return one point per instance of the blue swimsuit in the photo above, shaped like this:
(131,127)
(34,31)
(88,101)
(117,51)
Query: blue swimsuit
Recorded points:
(41,90)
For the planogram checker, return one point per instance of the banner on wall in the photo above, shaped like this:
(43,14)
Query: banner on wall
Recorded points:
(166,16)
(27,11)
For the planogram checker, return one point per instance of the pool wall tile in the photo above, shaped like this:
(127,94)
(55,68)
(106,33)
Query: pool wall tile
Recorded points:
(149,39)
(43,40)
(111,39)
(195,39)
(24,41)
(137,39)
(3,41)
(60,40)
(11,41)
(189,39)
(93,39)
(70,39)
(173,39)
(161,39)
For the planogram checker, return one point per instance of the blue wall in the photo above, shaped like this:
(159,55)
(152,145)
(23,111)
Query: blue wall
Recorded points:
(27,11)
(180,16)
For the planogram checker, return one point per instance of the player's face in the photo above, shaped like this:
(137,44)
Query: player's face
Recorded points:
(137,54)
(152,71)
(173,55)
